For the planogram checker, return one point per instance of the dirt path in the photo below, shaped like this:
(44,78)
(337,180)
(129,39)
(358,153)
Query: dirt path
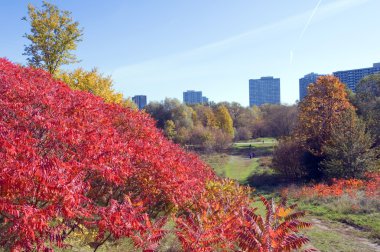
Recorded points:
(335,236)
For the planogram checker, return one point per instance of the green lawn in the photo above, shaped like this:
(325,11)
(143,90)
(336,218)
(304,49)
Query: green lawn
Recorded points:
(233,167)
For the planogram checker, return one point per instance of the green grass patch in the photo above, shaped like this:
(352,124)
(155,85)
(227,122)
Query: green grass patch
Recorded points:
(233,167)
(368,222)
(328,240)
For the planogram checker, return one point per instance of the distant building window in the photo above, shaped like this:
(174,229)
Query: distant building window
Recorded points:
(140,101)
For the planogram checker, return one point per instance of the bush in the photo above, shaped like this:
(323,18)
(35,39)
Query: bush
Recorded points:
(287,158)
(69,160)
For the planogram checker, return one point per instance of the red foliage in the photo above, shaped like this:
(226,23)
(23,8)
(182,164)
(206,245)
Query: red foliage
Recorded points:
(67,158)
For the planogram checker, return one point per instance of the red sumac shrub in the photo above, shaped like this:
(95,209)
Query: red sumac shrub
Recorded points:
(69,159)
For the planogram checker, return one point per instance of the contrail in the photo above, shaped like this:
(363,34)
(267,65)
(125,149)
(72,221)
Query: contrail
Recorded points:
(310,18)
(304,29)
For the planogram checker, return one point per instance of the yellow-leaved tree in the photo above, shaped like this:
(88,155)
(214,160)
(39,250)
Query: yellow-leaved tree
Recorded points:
(224,119)
(53,36)
(320,112)
(95,83)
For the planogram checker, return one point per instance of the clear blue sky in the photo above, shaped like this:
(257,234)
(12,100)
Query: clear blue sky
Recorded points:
(161,48)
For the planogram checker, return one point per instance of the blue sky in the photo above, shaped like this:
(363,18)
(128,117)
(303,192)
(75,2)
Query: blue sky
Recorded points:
(161,48)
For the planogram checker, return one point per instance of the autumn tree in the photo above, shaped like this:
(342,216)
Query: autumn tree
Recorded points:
(224,120)
(244,119)
(95,83)
(169,129)
(348,153)
(202,137)
(205,116)
(320,112)
(53,36)
(234,109)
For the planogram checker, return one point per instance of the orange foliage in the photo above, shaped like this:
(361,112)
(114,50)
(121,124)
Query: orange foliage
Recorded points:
(224,220)
(338,187)
(277,231)
(320,111)
(214,218)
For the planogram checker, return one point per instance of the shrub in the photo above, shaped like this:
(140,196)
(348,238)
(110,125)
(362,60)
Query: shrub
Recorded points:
(214,218)
(67,159)
(276,231)
(287,158)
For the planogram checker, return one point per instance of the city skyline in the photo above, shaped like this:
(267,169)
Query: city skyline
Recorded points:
(304,82)
(160,49)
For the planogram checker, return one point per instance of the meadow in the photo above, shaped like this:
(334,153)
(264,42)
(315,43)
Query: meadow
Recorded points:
(340,223)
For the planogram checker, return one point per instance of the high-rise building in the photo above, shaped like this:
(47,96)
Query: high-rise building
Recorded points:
(192,97)
(204,100)
(305,81)
(264,90)
(352,77)
(140,101)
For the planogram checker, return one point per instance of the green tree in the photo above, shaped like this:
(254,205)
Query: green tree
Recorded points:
(367,100)
(53,36)
(348,153)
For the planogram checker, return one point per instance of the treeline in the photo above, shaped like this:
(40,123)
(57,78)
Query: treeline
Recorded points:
(336,134)
(215,126)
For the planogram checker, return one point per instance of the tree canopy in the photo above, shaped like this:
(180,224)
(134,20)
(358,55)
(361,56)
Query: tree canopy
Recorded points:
(367,100)
(53,36)
(319,112)
(95,83)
